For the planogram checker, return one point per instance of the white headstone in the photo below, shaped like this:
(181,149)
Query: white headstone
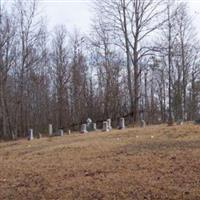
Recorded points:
(109,124)
(105,127)
(30,137)
(50,130)
(142,123)
(185,116)
(61,132)
(94,126)
(84,128)
(121,123)
(69,132)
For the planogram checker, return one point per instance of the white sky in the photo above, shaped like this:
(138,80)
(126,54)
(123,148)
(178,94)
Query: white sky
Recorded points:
(71,13)
(78,13)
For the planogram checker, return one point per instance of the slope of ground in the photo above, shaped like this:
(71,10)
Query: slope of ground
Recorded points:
(156,162)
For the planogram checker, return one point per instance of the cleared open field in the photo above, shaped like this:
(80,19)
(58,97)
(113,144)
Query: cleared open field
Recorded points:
(156,162)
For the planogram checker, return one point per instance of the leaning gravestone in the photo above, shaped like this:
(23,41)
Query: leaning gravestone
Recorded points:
(142,124)
(105,127)
(30,136)
(109,124)
(50,130)
(84,128)
(121,123)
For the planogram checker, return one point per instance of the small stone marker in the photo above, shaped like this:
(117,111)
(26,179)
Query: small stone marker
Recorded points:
(39,136)
(109,124)
(84,128)
(105,127)
(142,123)
(30,137)
(121,123)
(69,132)
(50,130)
(179,122)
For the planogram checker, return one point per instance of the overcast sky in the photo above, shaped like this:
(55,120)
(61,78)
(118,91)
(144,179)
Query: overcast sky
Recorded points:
(72,13)
(78,13)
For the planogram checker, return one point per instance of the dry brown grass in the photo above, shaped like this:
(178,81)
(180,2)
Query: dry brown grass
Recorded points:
(129,164)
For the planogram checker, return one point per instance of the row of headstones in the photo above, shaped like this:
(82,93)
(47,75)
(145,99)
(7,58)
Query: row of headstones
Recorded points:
(59,133)
(84,128)
(106,126)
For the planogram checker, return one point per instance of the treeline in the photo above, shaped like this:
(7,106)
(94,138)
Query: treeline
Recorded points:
(141,60)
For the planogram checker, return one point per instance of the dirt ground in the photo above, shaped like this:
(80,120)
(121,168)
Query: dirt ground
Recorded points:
(156,162)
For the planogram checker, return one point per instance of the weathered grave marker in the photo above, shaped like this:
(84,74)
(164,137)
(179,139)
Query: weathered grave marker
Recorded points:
(84,128)
(30,137)
(39,136)
(122,123)
(109,124)
(142,123)
(50,130)
(105,127)
(94,126)
(61,132)
(89,125)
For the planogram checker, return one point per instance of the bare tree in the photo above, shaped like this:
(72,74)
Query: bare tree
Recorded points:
(7,55)
(135,20)
(61,73)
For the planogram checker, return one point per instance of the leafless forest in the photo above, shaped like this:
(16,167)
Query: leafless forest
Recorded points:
(140,61)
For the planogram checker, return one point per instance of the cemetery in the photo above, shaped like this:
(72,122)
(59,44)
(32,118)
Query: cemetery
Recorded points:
(144,162)
(99,100)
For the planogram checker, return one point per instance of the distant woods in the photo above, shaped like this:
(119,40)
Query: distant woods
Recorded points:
(141,60)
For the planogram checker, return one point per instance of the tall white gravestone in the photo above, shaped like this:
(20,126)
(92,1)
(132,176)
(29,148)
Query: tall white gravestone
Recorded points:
(105,127)
(109,124)
(30,137)
(50,130)
(122,123)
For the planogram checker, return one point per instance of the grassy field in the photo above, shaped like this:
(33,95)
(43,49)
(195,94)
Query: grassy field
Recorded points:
(156,162)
